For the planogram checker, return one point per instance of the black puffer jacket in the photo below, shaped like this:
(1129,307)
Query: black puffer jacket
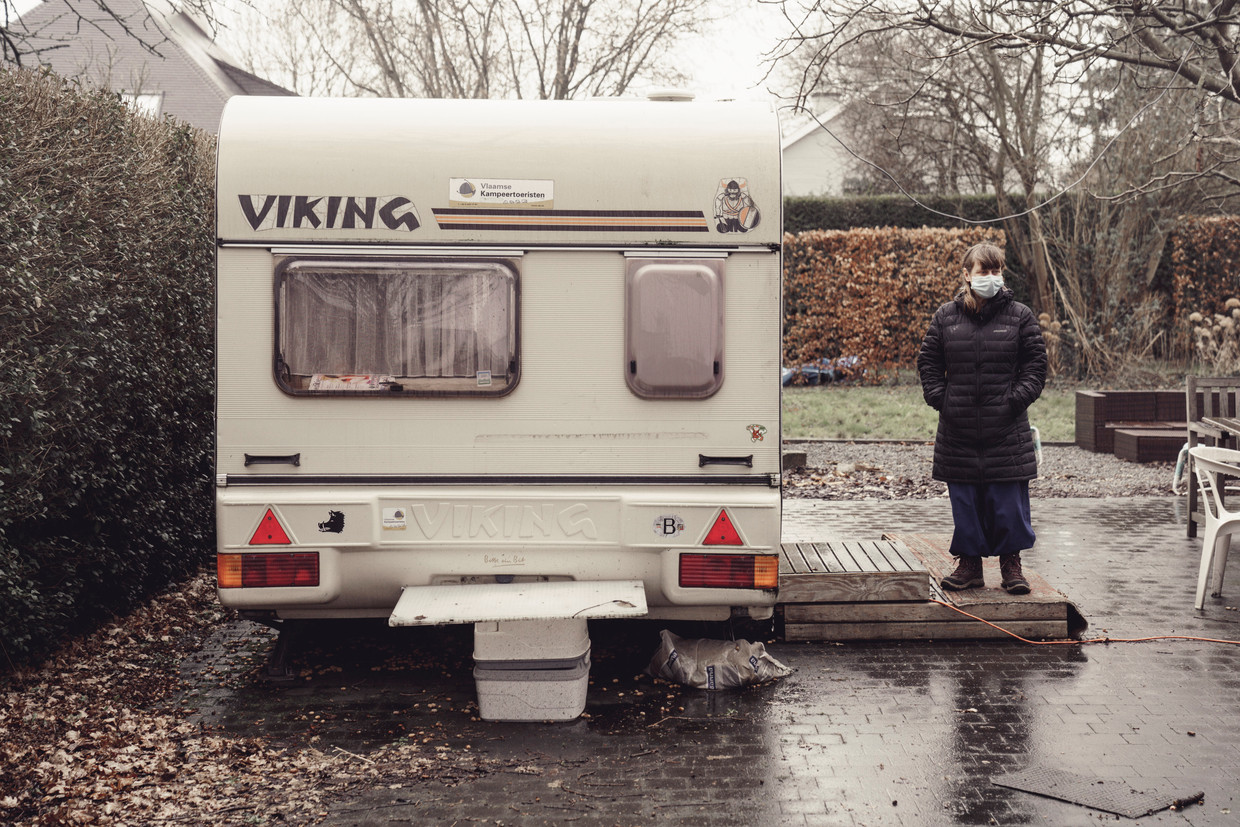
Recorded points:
(981,371)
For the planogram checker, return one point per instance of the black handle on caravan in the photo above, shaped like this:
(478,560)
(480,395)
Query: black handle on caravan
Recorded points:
(261,459)
(704,460)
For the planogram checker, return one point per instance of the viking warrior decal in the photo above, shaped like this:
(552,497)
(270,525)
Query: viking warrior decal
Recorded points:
(735,211)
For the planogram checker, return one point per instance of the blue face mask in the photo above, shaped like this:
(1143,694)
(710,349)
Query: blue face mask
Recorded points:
(987,287)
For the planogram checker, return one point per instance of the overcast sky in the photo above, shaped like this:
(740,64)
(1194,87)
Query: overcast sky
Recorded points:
(726,61)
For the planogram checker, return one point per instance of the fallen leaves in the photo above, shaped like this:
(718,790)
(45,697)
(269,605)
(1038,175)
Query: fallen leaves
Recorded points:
(100,734)
(858,482)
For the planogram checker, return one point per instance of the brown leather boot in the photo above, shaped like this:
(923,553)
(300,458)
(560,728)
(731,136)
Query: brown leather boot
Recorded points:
(1014,581)
(968,575)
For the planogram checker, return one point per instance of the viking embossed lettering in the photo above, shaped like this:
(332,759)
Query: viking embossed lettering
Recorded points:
(531,521)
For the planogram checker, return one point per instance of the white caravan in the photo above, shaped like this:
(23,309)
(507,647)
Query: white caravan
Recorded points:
(498,360)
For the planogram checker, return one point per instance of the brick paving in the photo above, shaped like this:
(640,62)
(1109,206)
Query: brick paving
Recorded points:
(879,733)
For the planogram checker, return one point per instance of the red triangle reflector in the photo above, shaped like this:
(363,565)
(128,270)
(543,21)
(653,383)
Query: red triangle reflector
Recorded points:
(723,532)
(270,532)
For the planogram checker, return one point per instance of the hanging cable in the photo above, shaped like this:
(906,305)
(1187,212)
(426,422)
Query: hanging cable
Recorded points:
(1089,640)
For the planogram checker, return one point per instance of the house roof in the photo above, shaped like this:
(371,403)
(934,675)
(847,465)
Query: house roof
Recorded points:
(250,84)
(141,48)
(813,123)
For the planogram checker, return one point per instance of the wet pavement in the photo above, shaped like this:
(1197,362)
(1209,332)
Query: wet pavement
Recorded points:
(876,733)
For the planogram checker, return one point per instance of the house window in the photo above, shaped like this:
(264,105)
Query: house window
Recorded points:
(146,103)
(385,327)
(674,327)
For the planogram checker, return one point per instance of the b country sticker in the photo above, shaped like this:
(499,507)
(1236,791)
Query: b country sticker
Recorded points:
(668,525)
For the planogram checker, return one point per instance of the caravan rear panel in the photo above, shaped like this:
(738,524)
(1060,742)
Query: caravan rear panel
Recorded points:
(493,346)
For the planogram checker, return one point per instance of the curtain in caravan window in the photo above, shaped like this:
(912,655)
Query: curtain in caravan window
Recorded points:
(331,323)
(410,320)
(455,324)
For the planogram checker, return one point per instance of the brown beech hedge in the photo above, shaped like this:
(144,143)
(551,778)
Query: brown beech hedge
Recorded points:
(869,293)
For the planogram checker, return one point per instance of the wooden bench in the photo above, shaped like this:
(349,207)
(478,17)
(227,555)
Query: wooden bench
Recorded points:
(1100,414)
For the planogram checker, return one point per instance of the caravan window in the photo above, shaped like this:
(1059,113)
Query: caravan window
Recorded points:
(385,327)
(674,327)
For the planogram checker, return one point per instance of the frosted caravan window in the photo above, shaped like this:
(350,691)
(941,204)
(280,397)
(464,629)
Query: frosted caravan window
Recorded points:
(413,326)
(674,327)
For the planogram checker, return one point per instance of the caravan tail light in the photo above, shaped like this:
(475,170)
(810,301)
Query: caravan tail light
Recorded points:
(729,571)
(278,569)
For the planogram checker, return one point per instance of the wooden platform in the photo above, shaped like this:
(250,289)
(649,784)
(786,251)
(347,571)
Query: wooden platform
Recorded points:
(886,590)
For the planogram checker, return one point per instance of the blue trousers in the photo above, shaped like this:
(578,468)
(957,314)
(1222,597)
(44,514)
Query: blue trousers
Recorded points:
(991,518)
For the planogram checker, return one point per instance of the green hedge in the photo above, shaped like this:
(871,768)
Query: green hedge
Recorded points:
(106,405)
(809,213)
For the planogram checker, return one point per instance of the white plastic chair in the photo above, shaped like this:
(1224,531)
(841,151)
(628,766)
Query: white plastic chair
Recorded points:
(1212,466)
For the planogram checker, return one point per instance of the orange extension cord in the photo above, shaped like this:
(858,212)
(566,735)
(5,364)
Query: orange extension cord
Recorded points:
(1090,640)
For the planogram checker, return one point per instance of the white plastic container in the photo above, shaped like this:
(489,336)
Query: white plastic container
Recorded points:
(531,670)
(531,640)
(548,690)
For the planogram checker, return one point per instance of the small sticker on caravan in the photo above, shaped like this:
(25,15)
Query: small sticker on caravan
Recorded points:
(668,525)
(334,524)
(735,211)
(501,192)
(757,433)
(393,519)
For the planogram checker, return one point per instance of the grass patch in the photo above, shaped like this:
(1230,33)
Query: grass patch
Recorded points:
(898,412)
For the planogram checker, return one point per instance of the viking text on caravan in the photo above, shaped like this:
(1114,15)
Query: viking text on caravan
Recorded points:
(329,212)
(449,520)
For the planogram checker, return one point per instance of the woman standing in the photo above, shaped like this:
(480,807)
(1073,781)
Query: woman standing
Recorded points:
(982,364)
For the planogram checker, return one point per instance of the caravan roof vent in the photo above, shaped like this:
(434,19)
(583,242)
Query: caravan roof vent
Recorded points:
(663,93)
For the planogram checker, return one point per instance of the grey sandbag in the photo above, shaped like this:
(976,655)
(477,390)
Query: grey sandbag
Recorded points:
(713,664)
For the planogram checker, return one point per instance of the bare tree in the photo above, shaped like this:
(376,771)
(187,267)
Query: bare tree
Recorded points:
(590,47)
(1189,45)
(423,48)
(297,58)
(1195,40)
(931,112)
(473,48)
(1102,146)
(1106,237)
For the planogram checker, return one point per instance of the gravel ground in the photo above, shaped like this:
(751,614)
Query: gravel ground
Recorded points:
(901,470)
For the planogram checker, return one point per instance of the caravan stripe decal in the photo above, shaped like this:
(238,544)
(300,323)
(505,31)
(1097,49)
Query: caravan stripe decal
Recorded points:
(687,221)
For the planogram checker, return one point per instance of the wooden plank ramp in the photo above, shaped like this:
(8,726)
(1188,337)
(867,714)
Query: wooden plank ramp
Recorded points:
(850,571)
(888,590)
